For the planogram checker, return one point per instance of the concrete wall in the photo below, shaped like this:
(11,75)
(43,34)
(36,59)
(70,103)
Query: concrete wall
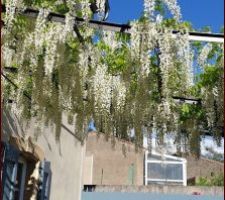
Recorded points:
(110,165)
(66,156)
(88,170)
(203,167)
(164,189)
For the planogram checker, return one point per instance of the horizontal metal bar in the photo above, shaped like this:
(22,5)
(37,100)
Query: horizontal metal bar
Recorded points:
(10,69)
(195,36)
(165,162)
(187,99)
(206,38)
(166,180)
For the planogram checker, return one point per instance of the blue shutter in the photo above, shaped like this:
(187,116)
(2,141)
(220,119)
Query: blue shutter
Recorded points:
(10,162)
(45,181)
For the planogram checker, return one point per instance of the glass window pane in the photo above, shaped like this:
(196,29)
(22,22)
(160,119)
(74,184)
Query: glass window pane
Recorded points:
(159,157)
(165,171)
(164,183)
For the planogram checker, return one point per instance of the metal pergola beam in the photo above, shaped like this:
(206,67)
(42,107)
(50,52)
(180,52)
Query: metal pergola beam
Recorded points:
(193,36)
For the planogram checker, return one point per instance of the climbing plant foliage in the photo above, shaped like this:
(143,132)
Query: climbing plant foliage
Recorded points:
(121,81)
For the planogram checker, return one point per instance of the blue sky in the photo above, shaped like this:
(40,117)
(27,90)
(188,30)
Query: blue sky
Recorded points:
(199,12)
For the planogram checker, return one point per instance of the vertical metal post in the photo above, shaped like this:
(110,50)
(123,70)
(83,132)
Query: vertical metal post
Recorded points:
(185,173)
(146,168)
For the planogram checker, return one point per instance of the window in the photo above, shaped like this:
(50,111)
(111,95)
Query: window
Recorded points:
(166,170)
(14,175)
(14,172)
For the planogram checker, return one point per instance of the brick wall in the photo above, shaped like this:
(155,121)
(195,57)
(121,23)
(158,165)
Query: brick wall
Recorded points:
(111,166)
(203,167)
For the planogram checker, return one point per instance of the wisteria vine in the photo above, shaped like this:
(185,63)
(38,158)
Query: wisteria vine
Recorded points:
(122,82)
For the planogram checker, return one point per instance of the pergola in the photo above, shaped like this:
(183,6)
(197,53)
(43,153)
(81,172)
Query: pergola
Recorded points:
(123,28)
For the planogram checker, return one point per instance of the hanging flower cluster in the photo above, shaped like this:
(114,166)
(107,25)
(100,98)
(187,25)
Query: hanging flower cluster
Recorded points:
(143,41)
(109,38)
(204,55)
(149,9)
(101,6)
(166,62)
(174,8)
(40,29)
(120,90)
(186,56)
(85,9)
(212,91)
(102,89)
(69,25)
(11,7)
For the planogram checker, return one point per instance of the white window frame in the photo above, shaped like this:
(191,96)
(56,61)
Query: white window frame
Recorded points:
(177,160)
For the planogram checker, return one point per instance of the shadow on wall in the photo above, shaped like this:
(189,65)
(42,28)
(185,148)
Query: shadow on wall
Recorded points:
(9,125)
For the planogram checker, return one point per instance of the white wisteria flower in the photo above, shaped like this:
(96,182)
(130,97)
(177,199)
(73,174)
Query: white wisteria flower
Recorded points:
(101,7)
(149,8)
(52,38)
(174,9)
(119,90)
(186,56)
(145,63)
(202,59)
(135,39)
(40,29)
(85,9)
(215,91)
(102,89)
(69,25)
(8,55)
(166,60)
(109,37)
(11,7)
(159,19)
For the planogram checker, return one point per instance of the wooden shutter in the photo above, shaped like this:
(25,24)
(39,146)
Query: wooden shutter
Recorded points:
(10,162)
(45,181)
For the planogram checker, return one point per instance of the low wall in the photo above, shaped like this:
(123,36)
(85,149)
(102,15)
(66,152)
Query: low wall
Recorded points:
(208,191)
(203,167)
(144,196)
